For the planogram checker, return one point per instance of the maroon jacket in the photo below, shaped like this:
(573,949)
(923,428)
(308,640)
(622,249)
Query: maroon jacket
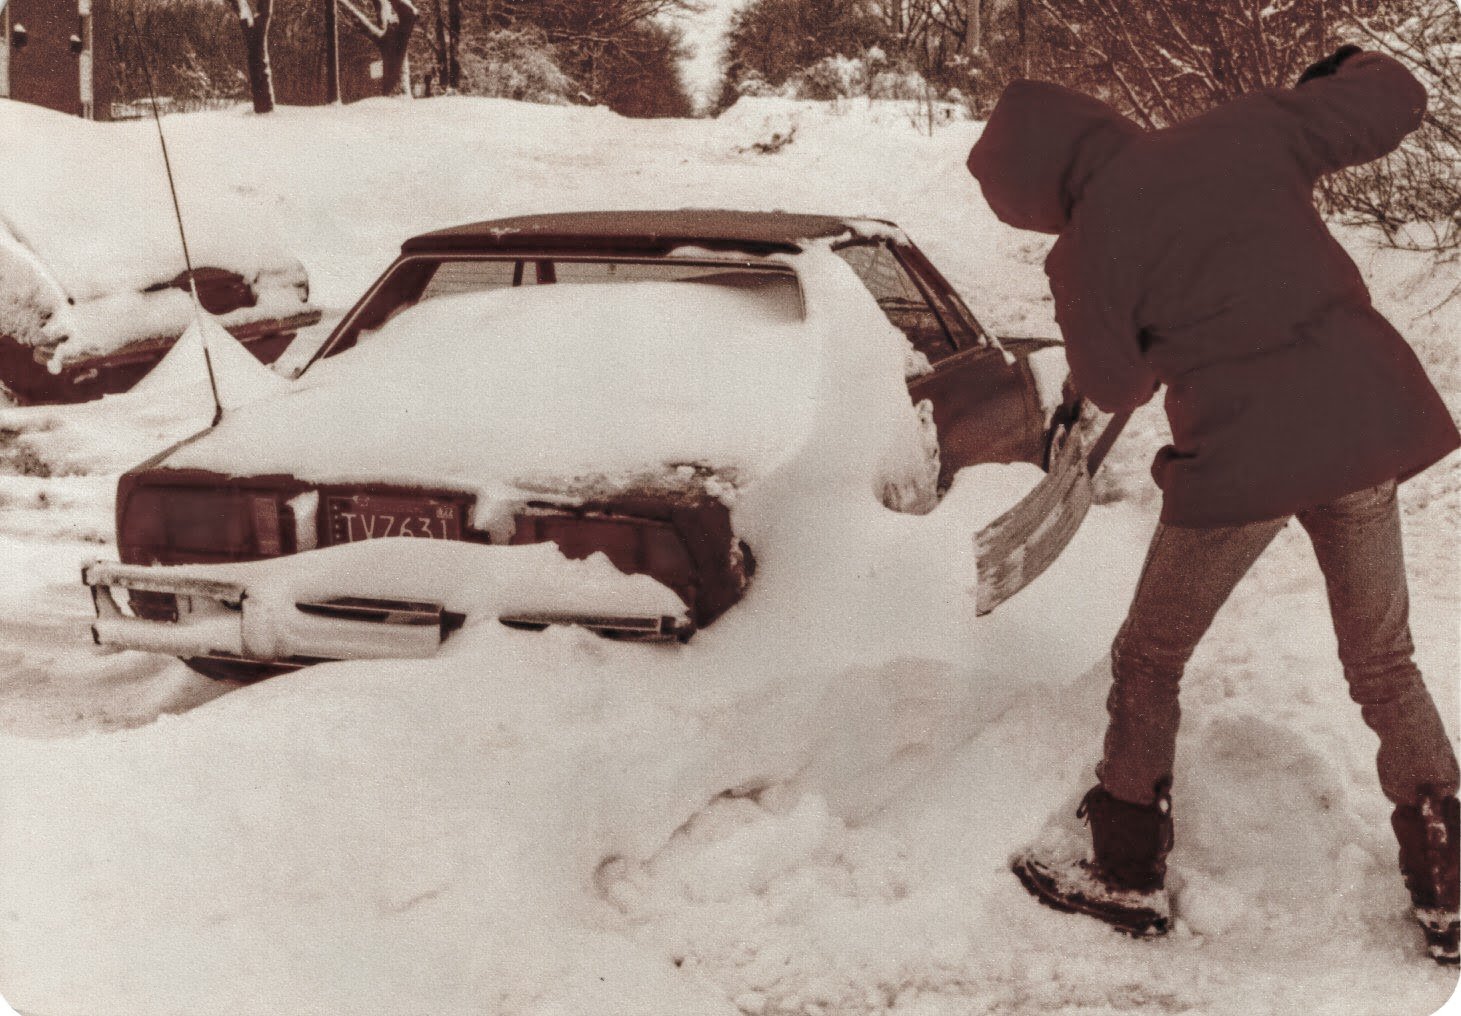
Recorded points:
(1193,256)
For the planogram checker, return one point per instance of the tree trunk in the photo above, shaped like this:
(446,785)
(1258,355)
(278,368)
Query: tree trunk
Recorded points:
(395,62)
(392,38)
(394,44)
(332,52)
(1022,14)
(973,27)
(448,46)
(441,51)
(454,40)
(255,28)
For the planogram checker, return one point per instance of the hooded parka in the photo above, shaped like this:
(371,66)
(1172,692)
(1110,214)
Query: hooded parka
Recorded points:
(1193,256)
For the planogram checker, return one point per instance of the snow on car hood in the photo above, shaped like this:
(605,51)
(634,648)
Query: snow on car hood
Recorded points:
(537,386)
(76,270)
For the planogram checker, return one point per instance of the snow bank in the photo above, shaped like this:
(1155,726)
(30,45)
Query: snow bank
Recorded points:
(445,836)
(852,667)
(805,810)
(87,226)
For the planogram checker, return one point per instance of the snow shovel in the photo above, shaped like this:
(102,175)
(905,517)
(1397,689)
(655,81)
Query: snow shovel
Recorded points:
(1014,549)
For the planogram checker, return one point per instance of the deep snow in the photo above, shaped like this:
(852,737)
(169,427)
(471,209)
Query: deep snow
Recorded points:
(805,810)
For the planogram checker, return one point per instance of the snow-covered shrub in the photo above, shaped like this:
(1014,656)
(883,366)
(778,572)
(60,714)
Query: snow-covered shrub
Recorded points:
(899,83)
(869,75)
(191,51)
(754,86)
(515,65)
(832,77)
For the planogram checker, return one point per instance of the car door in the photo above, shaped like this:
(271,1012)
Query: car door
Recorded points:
(984,398)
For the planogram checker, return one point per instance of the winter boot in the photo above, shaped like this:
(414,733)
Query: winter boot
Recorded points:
(1122,882)
(1430,853)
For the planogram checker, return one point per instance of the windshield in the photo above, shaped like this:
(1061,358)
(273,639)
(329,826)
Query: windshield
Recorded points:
(417,279)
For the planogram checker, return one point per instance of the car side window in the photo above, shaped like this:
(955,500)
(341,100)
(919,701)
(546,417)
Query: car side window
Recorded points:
(967,332)
(470,276)
(900,298)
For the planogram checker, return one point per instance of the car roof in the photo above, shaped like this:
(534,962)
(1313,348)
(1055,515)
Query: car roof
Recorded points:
(649,232)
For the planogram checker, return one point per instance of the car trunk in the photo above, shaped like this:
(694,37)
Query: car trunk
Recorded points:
(682,538)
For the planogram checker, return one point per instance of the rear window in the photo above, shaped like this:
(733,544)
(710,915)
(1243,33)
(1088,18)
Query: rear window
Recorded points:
(416,280)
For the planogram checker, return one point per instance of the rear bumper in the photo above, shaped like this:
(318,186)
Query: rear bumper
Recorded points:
(219,622)
(219,619)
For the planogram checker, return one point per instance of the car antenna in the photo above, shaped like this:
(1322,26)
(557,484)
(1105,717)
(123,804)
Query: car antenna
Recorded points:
(178,215)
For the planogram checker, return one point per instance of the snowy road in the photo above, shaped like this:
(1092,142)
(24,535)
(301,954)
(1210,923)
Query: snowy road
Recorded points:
(585,827)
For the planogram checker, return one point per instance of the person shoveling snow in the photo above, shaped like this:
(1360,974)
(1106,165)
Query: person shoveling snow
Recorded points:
(1194,257)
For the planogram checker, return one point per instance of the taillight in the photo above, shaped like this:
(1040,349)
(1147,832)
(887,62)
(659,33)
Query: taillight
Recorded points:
(185,525)
(635,546)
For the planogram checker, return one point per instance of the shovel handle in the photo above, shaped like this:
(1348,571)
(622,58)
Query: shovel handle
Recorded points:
(1103,444)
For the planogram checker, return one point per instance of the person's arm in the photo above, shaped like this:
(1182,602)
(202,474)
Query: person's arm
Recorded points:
(1354,112)
(1102,340)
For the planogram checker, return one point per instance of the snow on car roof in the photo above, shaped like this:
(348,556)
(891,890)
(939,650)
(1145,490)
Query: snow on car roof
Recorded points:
(656,231)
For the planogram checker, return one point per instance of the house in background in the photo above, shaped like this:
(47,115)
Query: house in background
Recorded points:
(49,56)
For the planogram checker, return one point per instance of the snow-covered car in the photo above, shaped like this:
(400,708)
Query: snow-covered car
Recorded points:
(94,288)
(264,313)
(626,384)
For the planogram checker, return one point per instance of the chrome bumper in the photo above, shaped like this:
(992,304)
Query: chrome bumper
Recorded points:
(219,620)
(216,618)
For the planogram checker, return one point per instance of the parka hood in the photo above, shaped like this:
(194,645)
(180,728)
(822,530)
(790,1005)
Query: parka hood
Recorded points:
(1042,145)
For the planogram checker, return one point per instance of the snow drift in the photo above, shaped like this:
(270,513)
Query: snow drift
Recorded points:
(806,810)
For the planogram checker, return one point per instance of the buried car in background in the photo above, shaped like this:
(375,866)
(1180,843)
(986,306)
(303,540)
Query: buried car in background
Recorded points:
(94,284)
(263,313)
(609,383)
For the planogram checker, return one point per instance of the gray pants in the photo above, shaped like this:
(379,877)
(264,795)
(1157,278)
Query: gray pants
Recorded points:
(1190,573)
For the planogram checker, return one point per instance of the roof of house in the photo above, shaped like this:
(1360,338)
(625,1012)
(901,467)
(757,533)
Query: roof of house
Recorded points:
(655,232)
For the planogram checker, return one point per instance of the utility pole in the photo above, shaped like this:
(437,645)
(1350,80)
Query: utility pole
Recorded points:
(332,53)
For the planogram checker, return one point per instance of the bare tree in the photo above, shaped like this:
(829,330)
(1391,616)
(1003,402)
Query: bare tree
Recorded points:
(391,33)
(620,52)
(1414,196)
(190,49)
(253,19)
(441,40)
(1165,60)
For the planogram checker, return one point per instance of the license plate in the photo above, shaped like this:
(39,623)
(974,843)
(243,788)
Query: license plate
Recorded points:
(375,516)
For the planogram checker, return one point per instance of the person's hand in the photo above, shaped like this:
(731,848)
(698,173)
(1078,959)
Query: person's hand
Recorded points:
(1330,64)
